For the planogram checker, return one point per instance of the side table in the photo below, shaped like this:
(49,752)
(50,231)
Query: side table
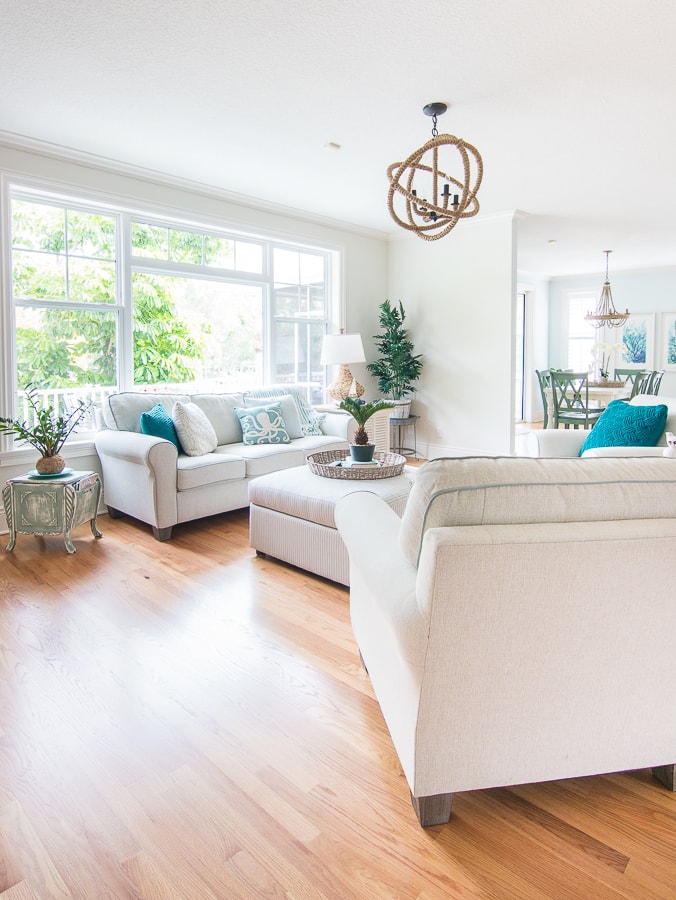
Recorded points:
(396,425)
(51,505)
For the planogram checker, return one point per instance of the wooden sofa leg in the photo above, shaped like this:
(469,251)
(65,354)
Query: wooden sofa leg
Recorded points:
(114,513)
(162,534)
(433,810)
(666,774)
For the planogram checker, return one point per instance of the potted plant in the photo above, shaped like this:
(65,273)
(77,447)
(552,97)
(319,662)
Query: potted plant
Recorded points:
(399,367)
(361,449)
(47,434)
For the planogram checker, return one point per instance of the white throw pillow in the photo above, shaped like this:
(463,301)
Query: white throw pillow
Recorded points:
(195,432)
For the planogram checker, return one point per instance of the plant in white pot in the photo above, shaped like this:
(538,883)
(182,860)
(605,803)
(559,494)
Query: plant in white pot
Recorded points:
(47,434)
(361,448)
(398,367)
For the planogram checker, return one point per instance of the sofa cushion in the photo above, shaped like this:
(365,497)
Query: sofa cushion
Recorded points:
(220,410)
(289,413)
(158,423)
(519,490)
(210,468)
(310,419)
(260,459)
(263,424)
(622,425)
(195,432)
(122,412)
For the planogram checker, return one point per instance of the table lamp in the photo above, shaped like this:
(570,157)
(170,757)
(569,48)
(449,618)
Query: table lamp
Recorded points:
(341,350)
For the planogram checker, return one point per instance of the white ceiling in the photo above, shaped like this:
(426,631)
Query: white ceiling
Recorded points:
(570,103)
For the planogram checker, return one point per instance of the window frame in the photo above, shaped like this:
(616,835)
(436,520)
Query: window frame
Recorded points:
(12,187)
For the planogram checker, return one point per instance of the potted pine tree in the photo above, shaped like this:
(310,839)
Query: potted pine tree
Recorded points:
(398,367)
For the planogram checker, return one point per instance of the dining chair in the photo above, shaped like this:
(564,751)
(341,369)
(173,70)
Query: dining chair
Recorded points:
(642,383)
(544,380)
(570,396)
(629,376)
(655,382)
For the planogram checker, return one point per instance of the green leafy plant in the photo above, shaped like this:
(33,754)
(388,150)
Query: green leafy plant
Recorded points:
(361,412)
(399,367)
(49,432)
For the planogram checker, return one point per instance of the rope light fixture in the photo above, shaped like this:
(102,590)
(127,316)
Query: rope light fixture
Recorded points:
(431,206)
(605,312)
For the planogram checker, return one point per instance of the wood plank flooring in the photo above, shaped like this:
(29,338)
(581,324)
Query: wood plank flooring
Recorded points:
(185,721)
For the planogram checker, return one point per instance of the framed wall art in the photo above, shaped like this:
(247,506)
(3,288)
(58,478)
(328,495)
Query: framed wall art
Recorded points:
(668,341)
(637,339)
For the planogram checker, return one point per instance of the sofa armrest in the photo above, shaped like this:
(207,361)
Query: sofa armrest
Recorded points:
(551,442)
(382,581)
(336,424)
(139,475)
(623,451)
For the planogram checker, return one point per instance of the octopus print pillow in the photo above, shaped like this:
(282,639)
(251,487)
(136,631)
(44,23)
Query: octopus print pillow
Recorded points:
(263,424)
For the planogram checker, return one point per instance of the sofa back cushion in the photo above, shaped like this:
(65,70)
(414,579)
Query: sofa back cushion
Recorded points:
(520,490)
(220,411)
(122,412)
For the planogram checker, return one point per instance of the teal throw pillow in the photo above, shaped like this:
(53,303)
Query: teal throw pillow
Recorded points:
(624,425)
(158,423)
(263,424)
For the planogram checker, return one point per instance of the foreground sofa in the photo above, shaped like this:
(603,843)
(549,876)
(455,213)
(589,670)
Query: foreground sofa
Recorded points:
(146,477)
(518,622)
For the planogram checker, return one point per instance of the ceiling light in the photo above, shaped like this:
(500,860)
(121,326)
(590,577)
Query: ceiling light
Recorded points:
(431,206)
(605,312)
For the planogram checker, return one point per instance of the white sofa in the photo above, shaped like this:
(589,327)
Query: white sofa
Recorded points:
(147,478)
(564,442)
(518,622)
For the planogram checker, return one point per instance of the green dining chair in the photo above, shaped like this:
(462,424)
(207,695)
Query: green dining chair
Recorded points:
(570,396)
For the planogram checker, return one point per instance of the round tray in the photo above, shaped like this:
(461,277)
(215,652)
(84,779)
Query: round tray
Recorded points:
(327,464)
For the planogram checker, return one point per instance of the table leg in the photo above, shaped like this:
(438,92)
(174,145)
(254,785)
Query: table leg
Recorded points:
(9,515)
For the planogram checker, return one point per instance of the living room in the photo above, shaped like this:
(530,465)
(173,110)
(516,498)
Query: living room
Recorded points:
(206,728)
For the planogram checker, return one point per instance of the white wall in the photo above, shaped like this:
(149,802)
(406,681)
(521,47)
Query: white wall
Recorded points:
(458,294)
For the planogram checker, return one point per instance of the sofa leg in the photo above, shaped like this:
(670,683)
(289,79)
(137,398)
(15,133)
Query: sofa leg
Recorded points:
(433,810)
(114,513)
(162,534)
(666,774)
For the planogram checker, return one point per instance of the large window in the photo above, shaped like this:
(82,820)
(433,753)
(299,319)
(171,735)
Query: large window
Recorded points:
(581,336)
(105,299)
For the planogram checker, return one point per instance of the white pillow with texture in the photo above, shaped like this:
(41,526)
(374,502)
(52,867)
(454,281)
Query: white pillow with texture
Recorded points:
(195,432)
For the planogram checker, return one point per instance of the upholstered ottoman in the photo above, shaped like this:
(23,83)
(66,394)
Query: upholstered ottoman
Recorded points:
(291,516)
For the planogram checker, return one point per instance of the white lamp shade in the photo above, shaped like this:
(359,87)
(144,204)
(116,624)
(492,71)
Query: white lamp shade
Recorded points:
(342,348)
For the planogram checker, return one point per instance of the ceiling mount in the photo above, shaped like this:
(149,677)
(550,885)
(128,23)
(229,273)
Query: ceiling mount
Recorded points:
(430,209)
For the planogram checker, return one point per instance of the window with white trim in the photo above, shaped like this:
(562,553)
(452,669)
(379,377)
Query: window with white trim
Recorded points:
(104,299)
(581,336)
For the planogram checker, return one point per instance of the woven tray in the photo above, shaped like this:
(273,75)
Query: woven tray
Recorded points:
(389,465)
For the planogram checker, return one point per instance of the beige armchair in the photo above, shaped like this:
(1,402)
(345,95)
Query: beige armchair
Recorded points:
(517,623)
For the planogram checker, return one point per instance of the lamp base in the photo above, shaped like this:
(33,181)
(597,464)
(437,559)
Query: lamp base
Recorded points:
(344,385)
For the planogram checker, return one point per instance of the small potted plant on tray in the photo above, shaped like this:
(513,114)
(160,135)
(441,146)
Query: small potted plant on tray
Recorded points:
(47,434)
(361,449)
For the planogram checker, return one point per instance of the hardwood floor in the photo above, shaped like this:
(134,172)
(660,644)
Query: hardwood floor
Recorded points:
(185,720)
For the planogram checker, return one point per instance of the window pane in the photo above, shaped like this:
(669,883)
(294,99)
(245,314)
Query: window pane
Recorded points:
(40,276)
(193,331)
(37,226)
(91,235)
(296,353)
(219,252)
(286,266)
(91,281)
(149,241)
(185,246)
(63,348)
(311,268)
(249,258)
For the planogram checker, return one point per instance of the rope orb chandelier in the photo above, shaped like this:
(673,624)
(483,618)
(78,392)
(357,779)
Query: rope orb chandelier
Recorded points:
(425,193)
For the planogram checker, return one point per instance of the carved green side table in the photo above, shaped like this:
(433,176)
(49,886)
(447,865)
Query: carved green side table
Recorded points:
(51,505)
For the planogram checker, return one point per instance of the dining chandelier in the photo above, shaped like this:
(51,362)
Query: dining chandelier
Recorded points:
(605,312)
(431,200)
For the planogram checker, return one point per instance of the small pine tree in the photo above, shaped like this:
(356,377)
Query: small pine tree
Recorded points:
(399,367)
